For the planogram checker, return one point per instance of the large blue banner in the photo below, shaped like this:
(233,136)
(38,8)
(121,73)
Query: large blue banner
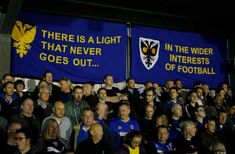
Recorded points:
(159,55)
(78,49)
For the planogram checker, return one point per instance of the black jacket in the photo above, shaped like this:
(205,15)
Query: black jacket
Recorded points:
(89,147)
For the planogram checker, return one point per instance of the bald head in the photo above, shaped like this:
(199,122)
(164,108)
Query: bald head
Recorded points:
(27,107)
(176,110)
(96,131)
(102,110)
(100,106)
(58,109)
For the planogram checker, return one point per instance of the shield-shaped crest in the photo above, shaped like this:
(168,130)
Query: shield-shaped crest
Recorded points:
(149,51)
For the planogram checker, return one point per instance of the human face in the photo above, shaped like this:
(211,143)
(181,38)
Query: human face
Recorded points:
(21,141)
(219,148)
(201,112)
(148,85)
(28,107)
(48,78)
(9,89)
(206,88)
(177,111)
(88,118)
(109,81)
(222,118)
(131,84)
(43,84)
(149,96)
(78,93)
(193,97)
(232,110)
(191,131)
(210,127)
(157,87)
(162,135)
(59,109)
(44,95)
(124,112)
(87,89)
(53,130)
(219,100)
(12,130)
(20,87)
(97,131)
(170,84)
(199,92)
(222,93)
(102,94)
(102,110)
(149,111)
(8,78)
(161,120)
(136,141)
(64,86)
(224,87)
(178,84)
(173,94)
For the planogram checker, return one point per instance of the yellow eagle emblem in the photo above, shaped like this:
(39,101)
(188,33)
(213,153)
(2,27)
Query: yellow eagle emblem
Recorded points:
(23,35)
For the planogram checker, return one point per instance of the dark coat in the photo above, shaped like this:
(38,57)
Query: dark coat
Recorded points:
(89,147)
(124,149)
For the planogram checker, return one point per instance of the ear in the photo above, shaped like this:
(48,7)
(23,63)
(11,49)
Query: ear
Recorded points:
(129,111)
(154,96)
(92,133)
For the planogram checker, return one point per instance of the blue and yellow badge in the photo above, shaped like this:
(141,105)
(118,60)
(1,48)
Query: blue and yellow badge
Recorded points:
(23,35)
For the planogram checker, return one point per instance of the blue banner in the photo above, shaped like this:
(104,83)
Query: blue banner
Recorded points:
(159,55)
(78,49)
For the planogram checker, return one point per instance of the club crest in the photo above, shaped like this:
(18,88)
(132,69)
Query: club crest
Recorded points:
(23,35)
(149,51)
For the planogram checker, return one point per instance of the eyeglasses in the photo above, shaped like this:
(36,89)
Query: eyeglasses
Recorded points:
(20,138)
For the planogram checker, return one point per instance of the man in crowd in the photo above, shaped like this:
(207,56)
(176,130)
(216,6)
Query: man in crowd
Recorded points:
(42,107)
(74,107)
(122,125)
(9,103)
(65,126)
(95,143)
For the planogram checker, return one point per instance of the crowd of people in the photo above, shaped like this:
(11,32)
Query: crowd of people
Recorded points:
(78,120)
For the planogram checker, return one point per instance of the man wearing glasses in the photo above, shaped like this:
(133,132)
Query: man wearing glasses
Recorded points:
(24,141)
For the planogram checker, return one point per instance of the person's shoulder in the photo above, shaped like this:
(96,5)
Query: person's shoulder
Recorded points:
(55,86)
(55,89)
(84,102)
(46,118)
(67,119)
(69,104)
(133,120)
(123,149)
(115,88)
(115,123)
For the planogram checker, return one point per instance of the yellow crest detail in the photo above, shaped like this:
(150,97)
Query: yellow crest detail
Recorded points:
(23,35)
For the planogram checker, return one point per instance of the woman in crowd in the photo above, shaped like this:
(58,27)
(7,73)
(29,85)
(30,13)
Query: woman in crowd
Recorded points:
(51,142)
